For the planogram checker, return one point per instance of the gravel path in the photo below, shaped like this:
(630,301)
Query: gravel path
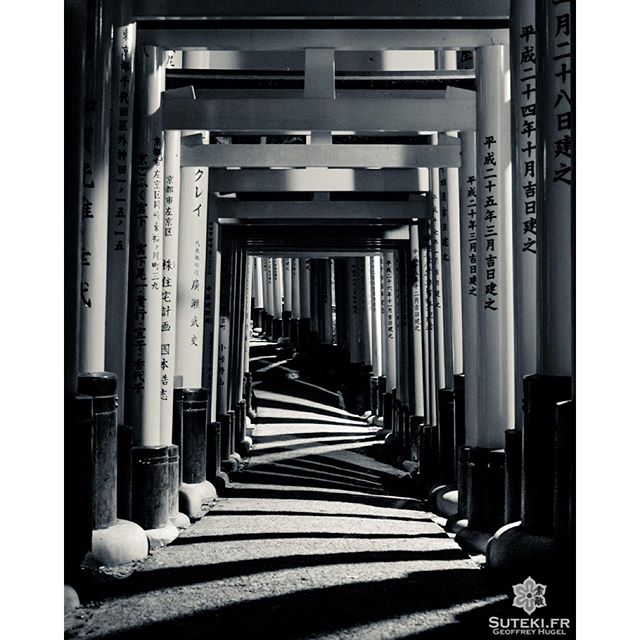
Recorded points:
(308,543)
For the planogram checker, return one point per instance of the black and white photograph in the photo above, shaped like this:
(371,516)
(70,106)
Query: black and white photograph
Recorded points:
(319,319)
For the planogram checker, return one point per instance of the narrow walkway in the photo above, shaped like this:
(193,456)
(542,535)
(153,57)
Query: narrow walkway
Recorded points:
(310,542)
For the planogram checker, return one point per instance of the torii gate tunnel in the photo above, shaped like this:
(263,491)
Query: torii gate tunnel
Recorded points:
(397,194)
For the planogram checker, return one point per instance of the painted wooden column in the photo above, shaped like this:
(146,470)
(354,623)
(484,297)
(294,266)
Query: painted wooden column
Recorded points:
(428,442)
(277,287)
(294,322)
(390,319)
(525,191)
(326,335)
(402,328)
(194,189)
(555,248)
(353,319)
(278,291)
(342,304)
(304,327)
(430,343)
(150,469)
(295,288)
(556,237)
(418,407)
(446,281)
(305,288)
(495,316)
(269,301)
(495,299)
(364,306)
(77,411)
(212,310)
(435,251)
(286,300)
(258,288)
(249,280)
(230,459)
(286,297)
(171,222)
(452,175)
(210,300)
(470,295)
(94,222)
(374,293)
(316,292)
(372,332)
(144,313)
(121,140)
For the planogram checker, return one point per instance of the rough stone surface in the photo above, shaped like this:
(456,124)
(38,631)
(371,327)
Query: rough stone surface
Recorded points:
(513,548)
(161,536)
(181,521)
(121,543)
(71,600)
(309,542)
(196,499)
(447,502)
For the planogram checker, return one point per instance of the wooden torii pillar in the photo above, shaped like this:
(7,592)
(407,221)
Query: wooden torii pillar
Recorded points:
(544,536)
(152,457)
(495,387)
(91,420)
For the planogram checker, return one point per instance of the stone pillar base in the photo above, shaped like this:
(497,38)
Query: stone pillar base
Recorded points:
(409,466)
(471,540)
(444,499)
(513,549)
(118,544)
(180,521)
(162,536)
(245,446)
(221,482)
(197,499)
(71,599)
(232,463)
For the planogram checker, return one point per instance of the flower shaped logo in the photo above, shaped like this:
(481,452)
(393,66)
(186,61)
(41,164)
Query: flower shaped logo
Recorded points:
(529,595)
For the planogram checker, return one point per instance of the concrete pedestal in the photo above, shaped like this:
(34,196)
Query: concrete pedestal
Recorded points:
(444,499)
(513,549)
(118,544)
(197,499)
(71,599)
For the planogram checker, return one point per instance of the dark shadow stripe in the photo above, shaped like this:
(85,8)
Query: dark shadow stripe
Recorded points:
(186,540)
(170,577)
(309,612)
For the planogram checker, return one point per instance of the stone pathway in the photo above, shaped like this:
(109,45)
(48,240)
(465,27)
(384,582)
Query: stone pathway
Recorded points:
(310,542)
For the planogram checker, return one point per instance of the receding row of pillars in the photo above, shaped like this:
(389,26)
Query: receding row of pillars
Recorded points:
(465,331)
(161,390)
(467,328)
